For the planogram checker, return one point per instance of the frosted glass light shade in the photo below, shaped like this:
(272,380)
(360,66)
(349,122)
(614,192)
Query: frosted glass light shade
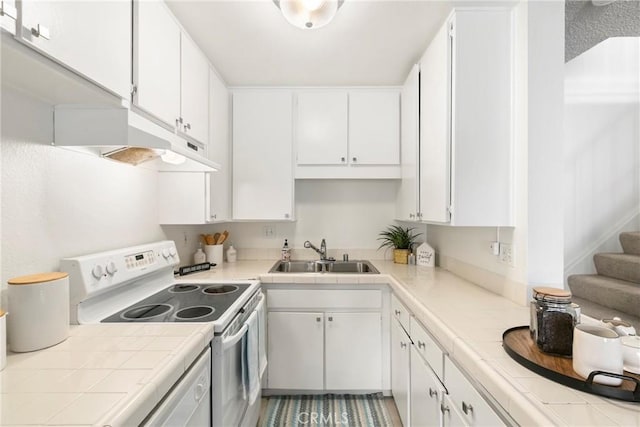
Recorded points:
(308,14)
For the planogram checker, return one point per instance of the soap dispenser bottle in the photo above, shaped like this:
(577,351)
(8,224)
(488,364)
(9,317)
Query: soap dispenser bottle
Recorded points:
(286,251)
(199,257)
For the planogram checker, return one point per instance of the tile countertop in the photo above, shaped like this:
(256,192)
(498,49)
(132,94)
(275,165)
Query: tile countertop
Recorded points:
(103,374)
(468,321)
(115,374)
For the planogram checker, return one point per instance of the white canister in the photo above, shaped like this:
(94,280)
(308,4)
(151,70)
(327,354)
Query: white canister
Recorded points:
(596,348)
(3,339)
(214,254)
(39,306)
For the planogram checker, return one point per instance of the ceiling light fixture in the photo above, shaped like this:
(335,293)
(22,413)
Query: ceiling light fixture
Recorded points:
(309,14)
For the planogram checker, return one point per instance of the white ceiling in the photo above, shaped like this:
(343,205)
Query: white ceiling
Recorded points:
(368,42)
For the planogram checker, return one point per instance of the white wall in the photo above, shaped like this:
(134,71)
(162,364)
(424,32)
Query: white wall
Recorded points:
(602,150)
(57,203)
(349,214)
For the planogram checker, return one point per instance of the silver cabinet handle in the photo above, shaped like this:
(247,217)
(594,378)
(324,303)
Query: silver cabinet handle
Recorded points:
(432,392)
(444,408)
(403,345)
(411,215)
(8,10)
(286,215)
(466,408)
(41,31)
(421,344)
(342,159)
(397,312)
(187,127)
(355,159)
(330,318)
(318,319)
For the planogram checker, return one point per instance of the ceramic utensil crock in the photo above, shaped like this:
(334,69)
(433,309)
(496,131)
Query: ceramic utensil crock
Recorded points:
(596,348)
(39,306)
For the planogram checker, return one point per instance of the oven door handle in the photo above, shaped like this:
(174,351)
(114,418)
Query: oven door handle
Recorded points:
(232,340)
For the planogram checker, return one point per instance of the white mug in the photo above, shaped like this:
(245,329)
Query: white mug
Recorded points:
(596,348)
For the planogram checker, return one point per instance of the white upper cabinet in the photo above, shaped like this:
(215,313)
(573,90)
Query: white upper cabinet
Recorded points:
(194,85)
(466,120)
(156,70)
(339,130)
(262,155)
(408,200)
(219,123)
(8,16)
(374,128)
(321,128)
(170,73)
(92,38)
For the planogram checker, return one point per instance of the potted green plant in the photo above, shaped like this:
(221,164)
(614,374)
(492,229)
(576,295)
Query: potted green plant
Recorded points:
(400,239)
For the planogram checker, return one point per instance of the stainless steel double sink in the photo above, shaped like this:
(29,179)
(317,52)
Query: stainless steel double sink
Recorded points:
(321,266)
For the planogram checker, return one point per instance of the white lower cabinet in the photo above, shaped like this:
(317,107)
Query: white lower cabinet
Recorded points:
(295,353)
(465,399)
(427,393)
(400,354)
(450,415)
(317,342)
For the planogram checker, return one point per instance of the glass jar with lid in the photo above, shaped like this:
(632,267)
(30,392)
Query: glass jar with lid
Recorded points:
(552,320)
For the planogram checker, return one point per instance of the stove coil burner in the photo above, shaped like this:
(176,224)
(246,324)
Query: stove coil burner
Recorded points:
(178,289)
(146,312)
(195,312)
(220,290)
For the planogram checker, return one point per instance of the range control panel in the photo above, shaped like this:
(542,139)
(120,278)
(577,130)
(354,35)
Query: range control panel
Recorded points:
(140,260)
(96,273)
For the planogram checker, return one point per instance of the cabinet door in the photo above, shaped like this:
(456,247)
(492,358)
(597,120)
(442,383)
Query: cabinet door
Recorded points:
(407,205)
(466,400)
(374,128)
(450,415)
(321,128)
(219,148)
(8,16)
(426,393)
(194,91)
(353,351)
(262,155)
(156,71)
(92,38)
(435,126)
(295,350)
(400,352)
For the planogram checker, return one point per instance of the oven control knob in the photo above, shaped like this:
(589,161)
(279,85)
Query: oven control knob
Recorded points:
(97,271)
(165,253)
(112,268)
(172,251)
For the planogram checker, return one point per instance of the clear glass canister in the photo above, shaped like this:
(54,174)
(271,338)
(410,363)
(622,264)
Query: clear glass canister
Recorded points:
(552,320)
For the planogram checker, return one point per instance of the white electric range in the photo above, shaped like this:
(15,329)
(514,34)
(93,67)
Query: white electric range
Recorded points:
(137,284)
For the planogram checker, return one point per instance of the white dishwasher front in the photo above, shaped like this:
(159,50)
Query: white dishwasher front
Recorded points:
(189,402)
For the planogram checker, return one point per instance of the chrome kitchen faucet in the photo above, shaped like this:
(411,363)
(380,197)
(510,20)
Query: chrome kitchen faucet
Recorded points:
(322,251)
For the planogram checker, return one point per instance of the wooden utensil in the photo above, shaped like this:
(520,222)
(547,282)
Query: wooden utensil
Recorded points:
(216,237)
(223,237)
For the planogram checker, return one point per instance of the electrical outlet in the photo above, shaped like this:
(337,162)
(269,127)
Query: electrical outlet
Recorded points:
(269,232)
(507,255)
(495,248)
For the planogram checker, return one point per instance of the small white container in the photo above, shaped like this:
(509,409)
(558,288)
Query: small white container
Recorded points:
(215,254)
(3,339)
(631,353)
(39,306)
(199,257)
(596,348)
(232,254)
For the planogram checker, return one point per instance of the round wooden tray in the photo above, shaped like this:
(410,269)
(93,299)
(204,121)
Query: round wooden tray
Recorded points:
(518,344)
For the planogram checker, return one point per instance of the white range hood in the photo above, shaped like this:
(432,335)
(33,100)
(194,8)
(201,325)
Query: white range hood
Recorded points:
(125,136)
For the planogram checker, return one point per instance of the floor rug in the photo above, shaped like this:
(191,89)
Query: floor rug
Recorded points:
(327,410)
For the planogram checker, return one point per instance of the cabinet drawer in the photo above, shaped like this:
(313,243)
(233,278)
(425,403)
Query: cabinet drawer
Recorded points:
(318,298)
(400,312)
(466,399)
(427,347)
